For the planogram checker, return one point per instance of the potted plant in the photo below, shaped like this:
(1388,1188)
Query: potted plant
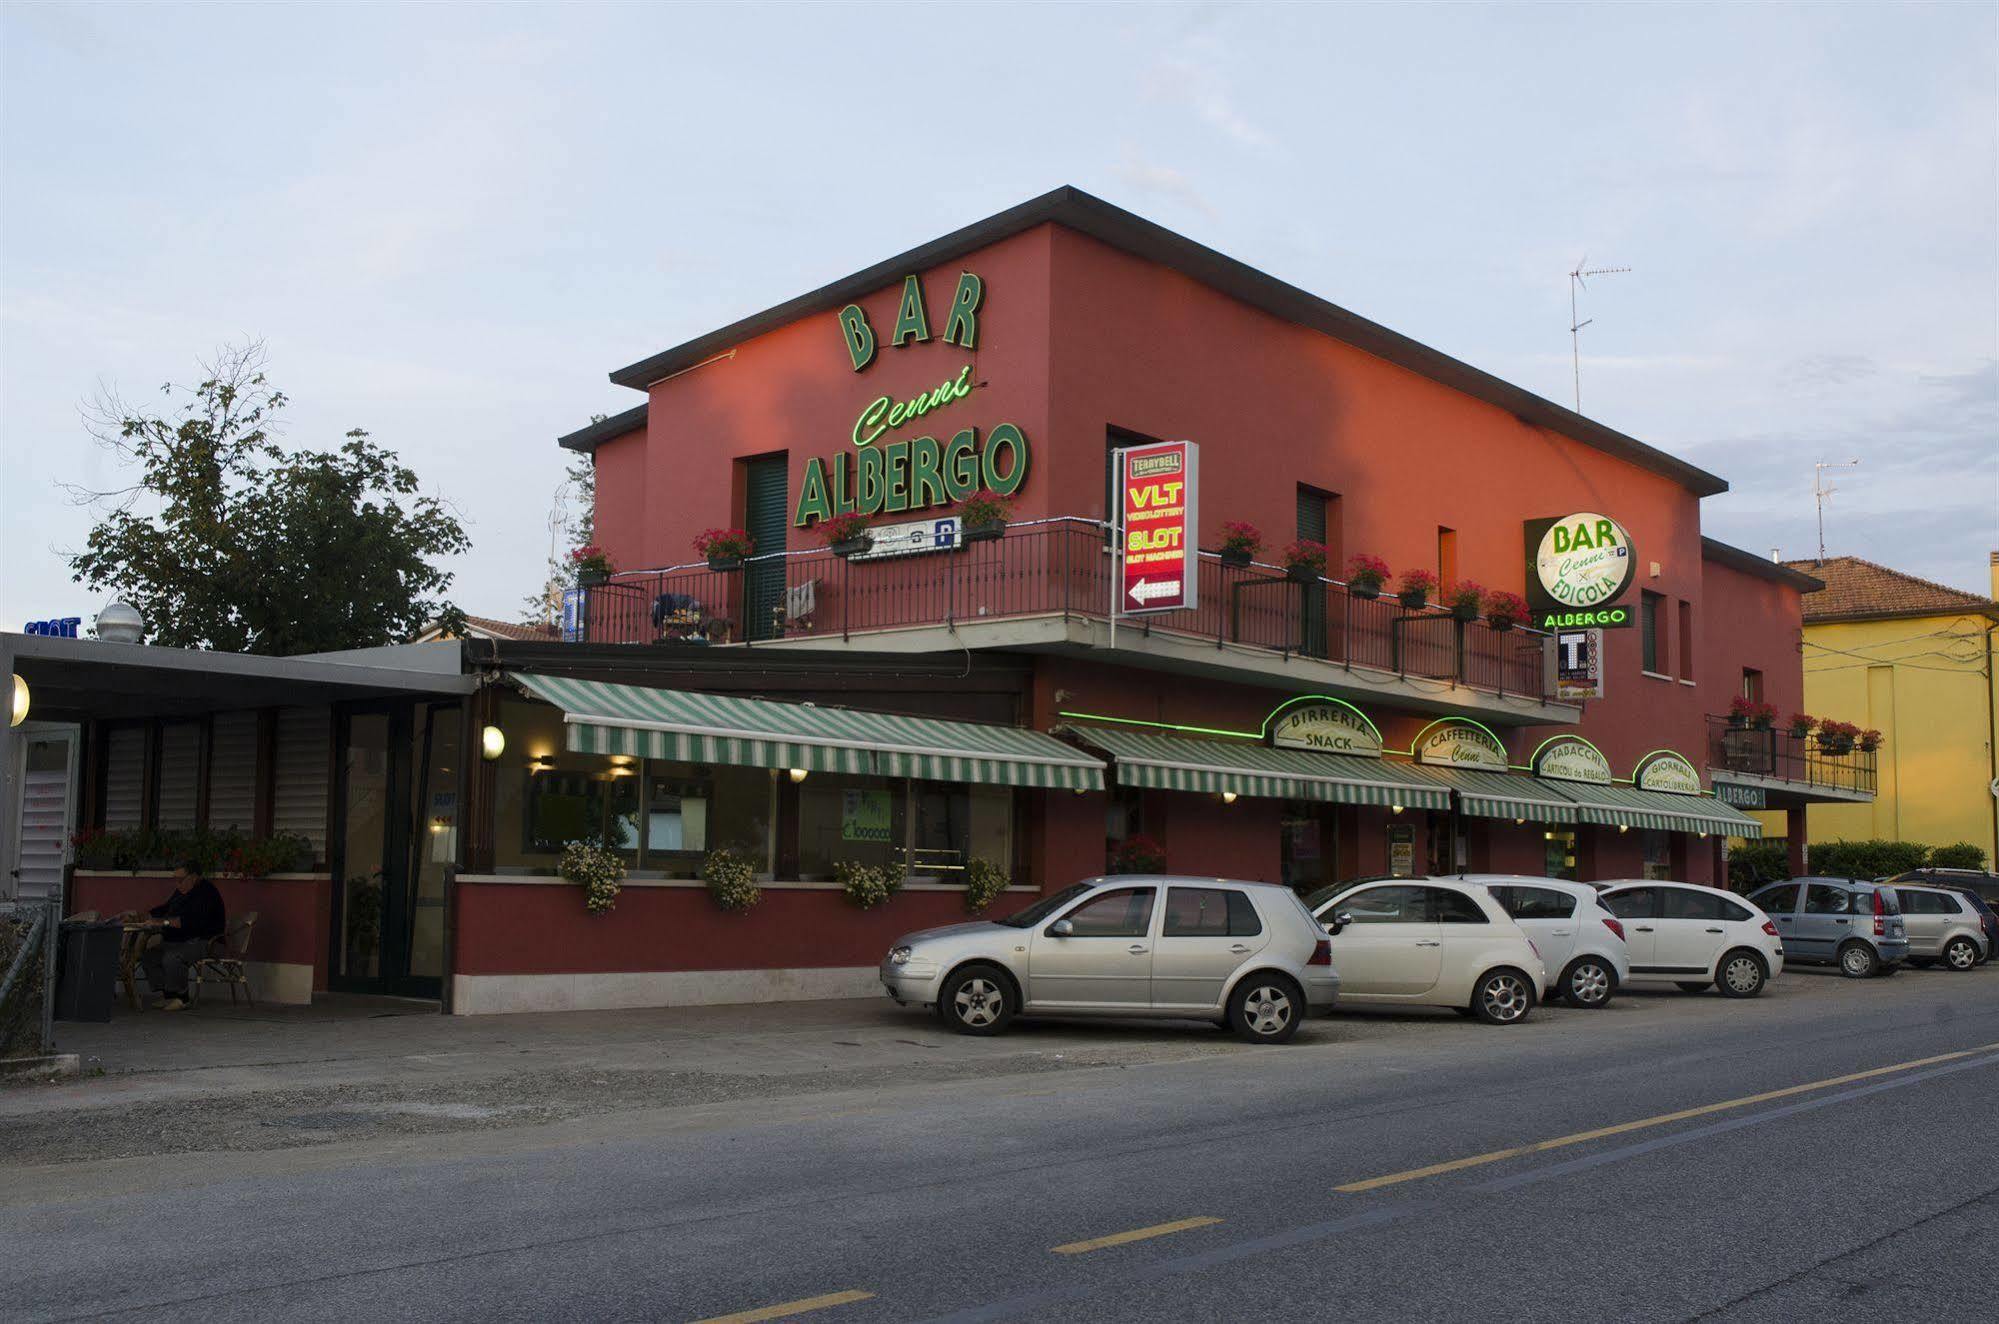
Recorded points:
(867,885)
(1802,724)
(983,516)
(1241,541)
(983,884)
(590,564)
(1365,576)
(1762,716)
(1870,740)
(1464,599)
(848,534)
(1415,588)
(724,549)
(732,884)
(1138,855)
(599,872)
(1305,561)
(1837,738)
(1738,711)
(1504,610)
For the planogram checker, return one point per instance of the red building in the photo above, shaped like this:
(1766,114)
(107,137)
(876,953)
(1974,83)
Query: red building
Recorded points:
(942,697)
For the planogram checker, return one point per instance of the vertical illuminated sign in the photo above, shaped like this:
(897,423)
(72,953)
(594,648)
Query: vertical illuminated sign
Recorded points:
(1158,527)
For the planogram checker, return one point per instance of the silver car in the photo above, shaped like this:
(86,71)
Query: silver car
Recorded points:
(1246,954)
(1942,925)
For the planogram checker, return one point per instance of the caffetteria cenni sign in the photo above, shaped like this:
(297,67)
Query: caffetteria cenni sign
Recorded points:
(1578,566)
(893,464)
(1455,745)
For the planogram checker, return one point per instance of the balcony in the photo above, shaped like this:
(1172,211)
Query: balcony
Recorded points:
(1062,570)
(1777,761)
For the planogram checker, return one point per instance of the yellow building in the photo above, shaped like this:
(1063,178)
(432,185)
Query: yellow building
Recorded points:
(1913,660)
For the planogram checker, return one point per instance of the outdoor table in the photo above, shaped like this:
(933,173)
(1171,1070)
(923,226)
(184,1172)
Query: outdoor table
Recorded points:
(136,933)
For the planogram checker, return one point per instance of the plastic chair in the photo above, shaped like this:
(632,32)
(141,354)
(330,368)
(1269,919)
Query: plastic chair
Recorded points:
(226,967)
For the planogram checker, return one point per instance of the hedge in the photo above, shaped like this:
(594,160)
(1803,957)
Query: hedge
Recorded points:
(1764,861)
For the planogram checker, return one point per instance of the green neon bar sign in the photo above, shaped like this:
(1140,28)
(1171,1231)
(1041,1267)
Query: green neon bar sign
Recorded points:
(884,412)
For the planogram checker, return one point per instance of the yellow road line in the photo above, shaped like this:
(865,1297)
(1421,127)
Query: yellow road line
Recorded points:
(787,1309)
(1623,1128)
(1136,1234)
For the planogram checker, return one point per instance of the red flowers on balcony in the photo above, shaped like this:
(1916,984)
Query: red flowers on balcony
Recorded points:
(1415,588)
(1305,560)
(1745,711)
(1365,575)
(1802,724)
(1505,610)
(847,534)
(591,564)
(1241,541)
(1464,599)
(724,549)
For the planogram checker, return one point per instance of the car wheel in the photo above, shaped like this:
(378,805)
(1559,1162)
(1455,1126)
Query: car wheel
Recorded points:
(976,1000)
(1858,961)
(1266,1009)
(1687,986)
(1503,997)
(1740,974)
(1589,982)
(1961,954)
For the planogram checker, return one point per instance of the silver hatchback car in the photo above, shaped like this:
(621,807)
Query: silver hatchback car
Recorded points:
(1246,954)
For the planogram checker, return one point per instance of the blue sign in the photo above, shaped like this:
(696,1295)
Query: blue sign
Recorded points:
(64,627)
(572,616)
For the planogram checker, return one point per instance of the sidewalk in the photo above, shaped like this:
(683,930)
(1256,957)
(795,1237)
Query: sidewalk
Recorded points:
(222,1078)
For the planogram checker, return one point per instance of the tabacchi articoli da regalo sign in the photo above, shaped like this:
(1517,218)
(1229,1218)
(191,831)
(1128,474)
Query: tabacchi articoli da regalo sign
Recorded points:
(1158,488)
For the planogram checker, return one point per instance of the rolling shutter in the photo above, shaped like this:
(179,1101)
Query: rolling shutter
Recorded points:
(125,778)
(232,771)
(178,797)
(298,775)
(44,842)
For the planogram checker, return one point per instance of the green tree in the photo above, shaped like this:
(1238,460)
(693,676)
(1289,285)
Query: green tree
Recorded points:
(572,523)
(228,539)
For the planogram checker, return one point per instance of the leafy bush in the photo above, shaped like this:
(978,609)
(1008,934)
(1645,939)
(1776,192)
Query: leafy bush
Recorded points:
(1755,863)
(867,885)
(731,882)
(984,882)
(1962,855)
(214,850)
(599,872)
(1867,859)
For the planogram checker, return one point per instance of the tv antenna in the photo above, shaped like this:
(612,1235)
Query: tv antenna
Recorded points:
(1579,277)
(1822,489)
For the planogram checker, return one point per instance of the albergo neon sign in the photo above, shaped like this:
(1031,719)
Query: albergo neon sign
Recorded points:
(891,475)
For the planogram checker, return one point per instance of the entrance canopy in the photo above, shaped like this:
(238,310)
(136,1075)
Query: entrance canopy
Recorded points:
(694,727)
(1181,763)
(1626,806)
(1485,794)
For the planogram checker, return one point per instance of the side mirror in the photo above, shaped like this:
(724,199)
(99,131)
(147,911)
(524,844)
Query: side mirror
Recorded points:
(1061,928)
(1341,918)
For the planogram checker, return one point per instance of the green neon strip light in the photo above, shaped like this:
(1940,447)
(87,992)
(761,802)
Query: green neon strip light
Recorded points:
(1161,726)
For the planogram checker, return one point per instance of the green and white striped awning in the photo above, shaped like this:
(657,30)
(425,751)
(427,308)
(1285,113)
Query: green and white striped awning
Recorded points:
(1486,794)
(1188,763)
(1627,806)
(693,727)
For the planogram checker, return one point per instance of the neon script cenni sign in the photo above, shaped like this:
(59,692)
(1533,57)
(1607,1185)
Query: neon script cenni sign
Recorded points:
(885,473)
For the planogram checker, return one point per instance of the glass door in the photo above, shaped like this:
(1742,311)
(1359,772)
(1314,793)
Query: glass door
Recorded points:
(397,809)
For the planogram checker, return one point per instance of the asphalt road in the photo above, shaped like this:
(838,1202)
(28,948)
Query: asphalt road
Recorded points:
(1829,1150)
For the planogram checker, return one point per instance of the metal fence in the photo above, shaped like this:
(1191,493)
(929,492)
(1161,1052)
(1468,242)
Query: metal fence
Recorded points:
(1780,755)
(1063,568)
(28,976)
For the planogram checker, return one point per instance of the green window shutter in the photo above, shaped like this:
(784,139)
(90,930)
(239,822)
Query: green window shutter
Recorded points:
(767,518)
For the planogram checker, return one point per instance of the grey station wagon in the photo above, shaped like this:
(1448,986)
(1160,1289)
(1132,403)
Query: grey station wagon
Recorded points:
(1837,921)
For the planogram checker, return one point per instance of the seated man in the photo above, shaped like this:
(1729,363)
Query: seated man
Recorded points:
(194,915)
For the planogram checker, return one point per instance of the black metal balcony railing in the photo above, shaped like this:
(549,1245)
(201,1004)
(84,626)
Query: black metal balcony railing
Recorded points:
(1785,757)
(1060,567)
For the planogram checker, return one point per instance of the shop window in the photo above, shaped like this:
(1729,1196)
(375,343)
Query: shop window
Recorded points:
(302,759)
(859,820)
(1308,838)
(1124,817)
(177,799)
(1658,848)
(1651,646)
(233,771)
(1561,854)
(953,824)
(124,777)
(1445,848)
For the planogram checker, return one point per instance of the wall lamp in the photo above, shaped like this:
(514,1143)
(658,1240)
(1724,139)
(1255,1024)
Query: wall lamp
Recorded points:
(799,774)
(1623,828)
(1228,797)
(1395,809)
(492,743)
(20,709)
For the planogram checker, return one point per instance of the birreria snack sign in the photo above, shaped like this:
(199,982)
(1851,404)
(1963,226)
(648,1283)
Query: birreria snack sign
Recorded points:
(1160,487)
(898,458)
(1578,566)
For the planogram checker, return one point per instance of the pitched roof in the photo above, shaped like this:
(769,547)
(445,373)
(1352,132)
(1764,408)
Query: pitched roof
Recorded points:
(1858,590)
(1129,233)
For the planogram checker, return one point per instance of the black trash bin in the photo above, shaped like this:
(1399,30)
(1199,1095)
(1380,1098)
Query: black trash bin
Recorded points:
(88,978)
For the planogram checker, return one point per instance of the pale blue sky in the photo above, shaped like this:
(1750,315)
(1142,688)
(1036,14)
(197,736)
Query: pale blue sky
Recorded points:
(448,223)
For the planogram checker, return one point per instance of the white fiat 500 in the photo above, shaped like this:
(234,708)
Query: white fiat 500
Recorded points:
(1430,942)
(1693,937)
(1581,943)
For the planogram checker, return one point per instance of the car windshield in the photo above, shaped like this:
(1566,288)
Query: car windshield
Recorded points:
(1313,900)
(1043,908)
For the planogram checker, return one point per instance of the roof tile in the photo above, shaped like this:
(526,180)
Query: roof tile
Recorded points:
(1856,590)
